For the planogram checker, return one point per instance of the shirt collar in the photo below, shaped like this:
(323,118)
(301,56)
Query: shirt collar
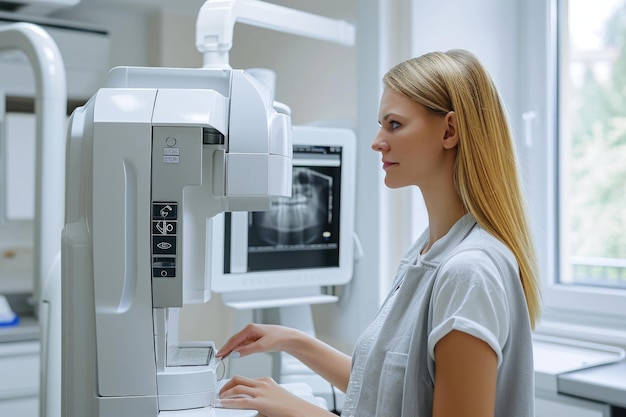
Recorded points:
(441,248)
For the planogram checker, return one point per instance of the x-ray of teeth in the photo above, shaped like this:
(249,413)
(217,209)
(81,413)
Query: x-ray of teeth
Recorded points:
(303,218)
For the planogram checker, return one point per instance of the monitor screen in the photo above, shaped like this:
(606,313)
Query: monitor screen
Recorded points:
(305,240)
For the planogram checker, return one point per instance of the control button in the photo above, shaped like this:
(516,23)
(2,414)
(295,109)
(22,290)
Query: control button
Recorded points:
(170,141)
(171,151)
(171,159)
(163,227)
(164,272)
(164,211)
(164,261)
(163,245)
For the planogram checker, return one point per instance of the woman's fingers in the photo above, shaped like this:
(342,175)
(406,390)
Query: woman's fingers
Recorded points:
(246,336)
(236,383)
(238,392)
(265,396)
(251,339)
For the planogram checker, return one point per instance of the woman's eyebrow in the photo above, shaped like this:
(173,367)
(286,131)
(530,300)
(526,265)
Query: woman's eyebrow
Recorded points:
(387,116)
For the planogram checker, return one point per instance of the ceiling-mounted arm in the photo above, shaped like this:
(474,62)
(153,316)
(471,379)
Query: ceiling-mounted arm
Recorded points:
(216,21)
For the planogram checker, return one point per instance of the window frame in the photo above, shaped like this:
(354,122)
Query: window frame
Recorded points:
(569,308)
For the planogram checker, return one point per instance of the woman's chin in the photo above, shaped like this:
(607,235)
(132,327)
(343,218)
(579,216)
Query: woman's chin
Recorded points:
(393,184)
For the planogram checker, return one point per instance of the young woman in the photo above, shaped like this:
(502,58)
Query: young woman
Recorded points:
(453,338)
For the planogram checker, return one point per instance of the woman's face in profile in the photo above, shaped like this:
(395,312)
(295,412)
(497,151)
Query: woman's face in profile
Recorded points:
(410,141)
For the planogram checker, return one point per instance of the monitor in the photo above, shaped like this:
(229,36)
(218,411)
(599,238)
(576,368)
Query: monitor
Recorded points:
(304,242)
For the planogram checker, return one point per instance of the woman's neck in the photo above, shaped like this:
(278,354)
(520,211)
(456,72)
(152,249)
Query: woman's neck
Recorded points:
(443,212)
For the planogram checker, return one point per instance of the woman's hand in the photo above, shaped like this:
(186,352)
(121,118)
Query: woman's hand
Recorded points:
(267,397)
(331,364)
(257,338)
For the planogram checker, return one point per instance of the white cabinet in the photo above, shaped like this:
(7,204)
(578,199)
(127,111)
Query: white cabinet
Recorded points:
(22,407)
(19,379)
(561,405)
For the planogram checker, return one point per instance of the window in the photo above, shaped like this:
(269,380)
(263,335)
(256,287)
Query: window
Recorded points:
(592,143)
(577,176)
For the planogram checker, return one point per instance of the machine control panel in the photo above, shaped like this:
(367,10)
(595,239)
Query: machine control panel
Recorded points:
(177,177)
(164,227)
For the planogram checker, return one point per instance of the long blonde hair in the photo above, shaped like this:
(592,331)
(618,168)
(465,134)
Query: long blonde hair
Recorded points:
(486,170)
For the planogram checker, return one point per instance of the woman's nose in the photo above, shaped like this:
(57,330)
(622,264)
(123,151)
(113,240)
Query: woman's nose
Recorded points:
(379,143)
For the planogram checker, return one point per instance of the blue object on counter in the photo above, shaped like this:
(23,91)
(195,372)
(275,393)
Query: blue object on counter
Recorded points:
(14,322)
(7,316)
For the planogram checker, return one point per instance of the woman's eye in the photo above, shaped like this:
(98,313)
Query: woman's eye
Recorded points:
(394,125)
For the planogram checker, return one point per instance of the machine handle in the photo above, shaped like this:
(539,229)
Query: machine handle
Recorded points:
(217,18)
(50,110)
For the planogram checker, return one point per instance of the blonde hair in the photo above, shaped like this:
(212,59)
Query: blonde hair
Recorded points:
(486,170)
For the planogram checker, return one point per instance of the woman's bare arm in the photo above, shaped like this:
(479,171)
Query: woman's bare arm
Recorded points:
(465,377)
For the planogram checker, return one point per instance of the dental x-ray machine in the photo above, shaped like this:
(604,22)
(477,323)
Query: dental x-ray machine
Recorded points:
(151,158)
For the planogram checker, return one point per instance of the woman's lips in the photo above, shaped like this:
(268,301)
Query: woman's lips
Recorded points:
(388,164)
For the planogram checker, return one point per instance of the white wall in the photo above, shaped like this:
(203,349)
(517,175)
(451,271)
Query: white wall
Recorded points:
(129,28)
(488,28)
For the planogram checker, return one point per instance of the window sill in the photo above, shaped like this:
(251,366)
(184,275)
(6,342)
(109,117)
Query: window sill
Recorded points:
(588,329)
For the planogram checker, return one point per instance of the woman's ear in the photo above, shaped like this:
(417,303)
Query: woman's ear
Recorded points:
(451,136)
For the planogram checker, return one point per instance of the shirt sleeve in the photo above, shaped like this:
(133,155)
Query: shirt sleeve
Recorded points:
(469,296)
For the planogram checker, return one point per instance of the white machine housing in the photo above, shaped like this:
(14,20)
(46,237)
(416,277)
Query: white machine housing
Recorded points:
(151,158)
